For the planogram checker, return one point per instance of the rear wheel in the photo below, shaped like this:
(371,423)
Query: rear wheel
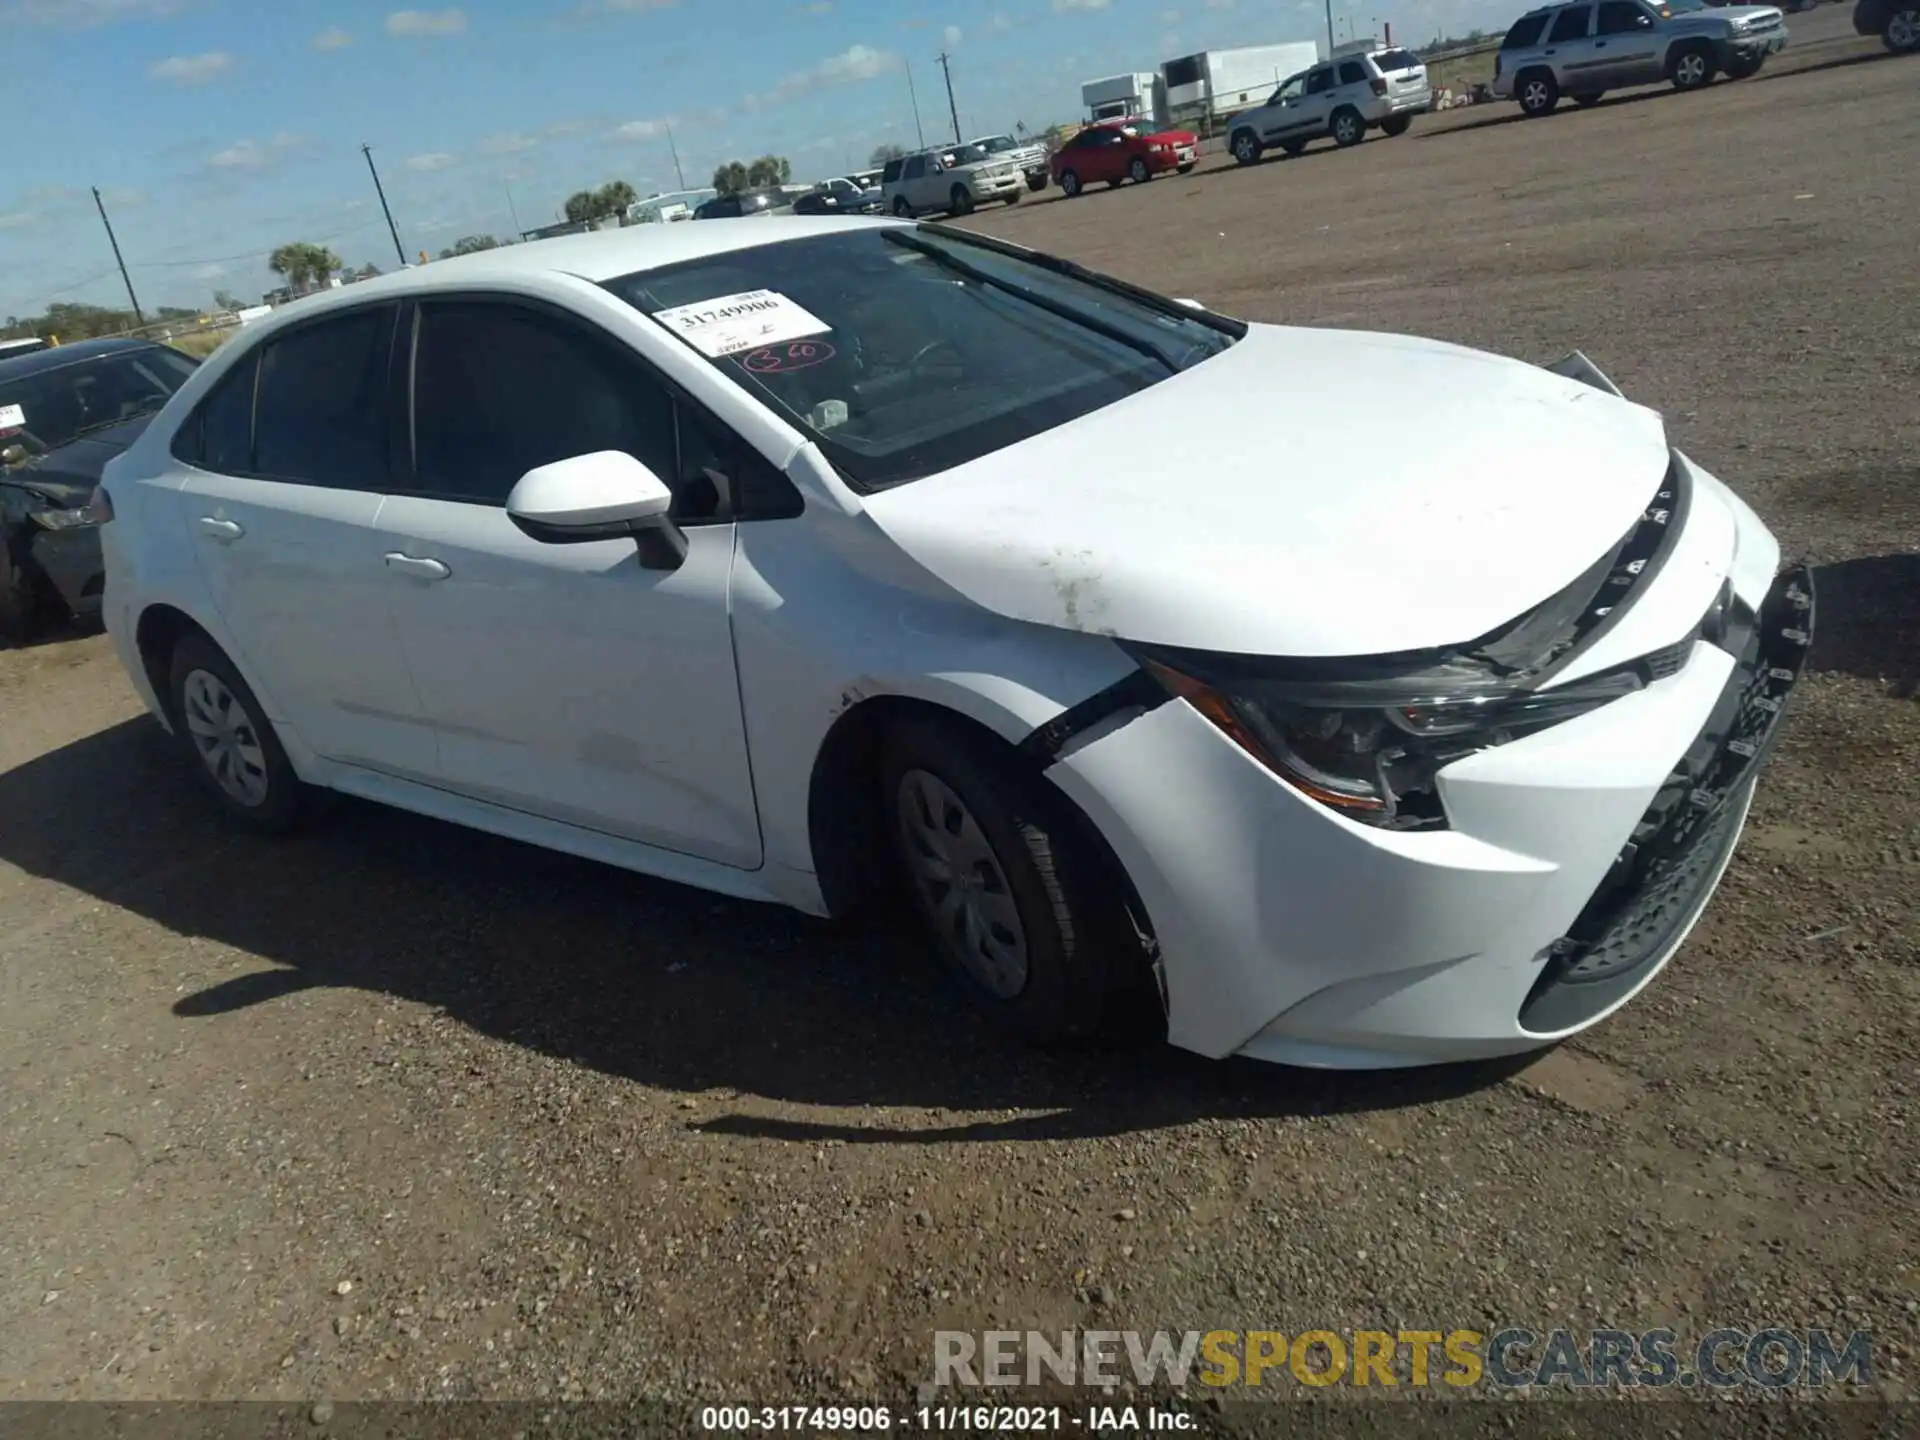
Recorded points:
(1539,92)
(228,739)
(1348,129)
(1036,183)
(1396,125)
(1069,183)
(1592,97)
(1019,903)
(22,606)
(1245,146)
(1902,34)
(1692,68)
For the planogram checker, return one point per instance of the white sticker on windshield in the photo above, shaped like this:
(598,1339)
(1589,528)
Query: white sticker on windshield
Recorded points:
(732,323)
(13,417)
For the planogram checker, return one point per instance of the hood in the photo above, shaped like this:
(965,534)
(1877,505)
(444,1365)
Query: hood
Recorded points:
(67,473)
(1735,15)
(1304,493)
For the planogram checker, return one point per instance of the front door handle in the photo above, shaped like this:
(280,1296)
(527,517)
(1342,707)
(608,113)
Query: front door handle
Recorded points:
(420,567)
(221,529)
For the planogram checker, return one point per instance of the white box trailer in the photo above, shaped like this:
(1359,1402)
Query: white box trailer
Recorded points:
(1138,93)
(1214,84)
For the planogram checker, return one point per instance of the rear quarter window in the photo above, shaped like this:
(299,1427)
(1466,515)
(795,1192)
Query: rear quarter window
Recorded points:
(1525,33)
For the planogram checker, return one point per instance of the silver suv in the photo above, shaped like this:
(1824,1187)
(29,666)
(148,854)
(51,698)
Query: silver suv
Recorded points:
(950,181)
(1032,159)
(1343,98)
(1584,50)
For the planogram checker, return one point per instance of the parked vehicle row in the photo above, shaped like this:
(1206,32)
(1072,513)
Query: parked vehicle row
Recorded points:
(1029,155)
(716,552)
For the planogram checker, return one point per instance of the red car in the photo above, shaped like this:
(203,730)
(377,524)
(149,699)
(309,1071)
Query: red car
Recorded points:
(1119,151)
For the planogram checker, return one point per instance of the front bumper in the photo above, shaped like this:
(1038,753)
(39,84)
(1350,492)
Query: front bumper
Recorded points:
(71,560)
(1748,48)
(995,186)
(1577,859)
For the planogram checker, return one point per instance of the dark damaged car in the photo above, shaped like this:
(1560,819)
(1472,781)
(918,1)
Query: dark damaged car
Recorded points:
(64,413)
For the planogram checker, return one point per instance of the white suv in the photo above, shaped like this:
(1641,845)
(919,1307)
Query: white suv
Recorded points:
(951,181)
(1340,99)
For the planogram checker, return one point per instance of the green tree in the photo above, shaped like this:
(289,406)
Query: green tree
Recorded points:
(469,245)
(581,205)
(883,153)
(768,170)
(226,300)
(731,178)
(614,197)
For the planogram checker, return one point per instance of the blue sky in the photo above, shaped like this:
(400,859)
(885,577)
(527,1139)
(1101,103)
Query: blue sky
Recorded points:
(217,129)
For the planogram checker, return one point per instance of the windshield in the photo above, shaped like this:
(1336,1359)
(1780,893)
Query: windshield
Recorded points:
(995,144)
(906,351)
(1678,7)
(61,404)
(962,155)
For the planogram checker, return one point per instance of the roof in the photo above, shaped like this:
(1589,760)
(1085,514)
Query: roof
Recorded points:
(57,357)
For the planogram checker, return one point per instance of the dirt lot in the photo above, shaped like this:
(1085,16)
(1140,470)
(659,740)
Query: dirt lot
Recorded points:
(397,1110)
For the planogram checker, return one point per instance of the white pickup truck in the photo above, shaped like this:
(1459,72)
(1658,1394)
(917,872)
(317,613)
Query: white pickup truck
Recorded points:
(1031,157)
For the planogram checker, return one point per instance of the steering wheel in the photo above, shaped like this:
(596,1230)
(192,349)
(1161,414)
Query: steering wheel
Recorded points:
(950,369)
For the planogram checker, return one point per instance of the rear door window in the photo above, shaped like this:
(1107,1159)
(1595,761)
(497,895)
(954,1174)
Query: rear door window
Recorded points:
(1622,17)
(320,410)
(1526,33)
(1320,81)
(1570,24)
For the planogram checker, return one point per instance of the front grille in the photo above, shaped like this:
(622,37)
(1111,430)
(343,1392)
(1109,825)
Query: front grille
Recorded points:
(1665,872)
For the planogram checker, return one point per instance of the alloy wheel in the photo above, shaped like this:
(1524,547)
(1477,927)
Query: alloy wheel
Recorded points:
(1534,95)
(1690,69)
(225,737)
(961,885)
(1903,30)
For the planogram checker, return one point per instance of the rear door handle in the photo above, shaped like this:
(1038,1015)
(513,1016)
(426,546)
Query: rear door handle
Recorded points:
(221,529)
(420,567)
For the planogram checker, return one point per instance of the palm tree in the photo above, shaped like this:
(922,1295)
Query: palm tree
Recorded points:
(580,206)
(730,178)
(289,262)
(614,197)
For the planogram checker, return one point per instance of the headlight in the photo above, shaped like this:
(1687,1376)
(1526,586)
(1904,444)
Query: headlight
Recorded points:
(1372,746)
(49,516)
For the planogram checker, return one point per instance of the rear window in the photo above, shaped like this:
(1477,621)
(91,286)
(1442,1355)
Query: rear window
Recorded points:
(1526,33)
(906,352)
(1392,60)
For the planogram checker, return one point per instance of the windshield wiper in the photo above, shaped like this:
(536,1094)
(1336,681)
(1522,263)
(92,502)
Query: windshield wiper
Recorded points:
(947,260)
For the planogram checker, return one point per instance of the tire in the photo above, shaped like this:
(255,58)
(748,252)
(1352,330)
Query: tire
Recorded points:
(1592,97)
(1901,35)
(1013,199)
(1396,125)
(1293,147)
(1537,91)
(23,609)
(1040,937)
(1691,68)
(1070,183)
(959,201)
(902,208)
(228,741)
(1036,183)
(1138,172)
(1347,128)
(1745,69)
(1187,169)
(1246,147)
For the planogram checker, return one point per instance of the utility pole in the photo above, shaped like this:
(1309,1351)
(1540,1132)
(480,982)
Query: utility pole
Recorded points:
(915,98)
(378,189)
(952,109)
(675,151)
(1329,29)
(510,209)
(101,206)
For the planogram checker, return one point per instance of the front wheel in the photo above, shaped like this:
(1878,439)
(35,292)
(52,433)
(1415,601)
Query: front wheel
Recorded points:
(960,201)
(1069,183)
(228,739)
(1187,169)
(1017,901)
(1902,35)
(1692,69)
(1036,183)
(1396,125)
(1348,129)
(1013,199)
(1245,146)
(901,208)
(1138,172)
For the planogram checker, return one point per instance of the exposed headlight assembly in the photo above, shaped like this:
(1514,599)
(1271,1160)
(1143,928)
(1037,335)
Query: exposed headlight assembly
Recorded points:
(49,516)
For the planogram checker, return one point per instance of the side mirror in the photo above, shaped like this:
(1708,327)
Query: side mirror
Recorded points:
(607,495)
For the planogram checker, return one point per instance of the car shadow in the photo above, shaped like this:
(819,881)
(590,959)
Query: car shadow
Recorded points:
(657,983)
(1867,623)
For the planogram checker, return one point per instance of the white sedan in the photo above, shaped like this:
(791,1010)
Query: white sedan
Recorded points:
(790,557)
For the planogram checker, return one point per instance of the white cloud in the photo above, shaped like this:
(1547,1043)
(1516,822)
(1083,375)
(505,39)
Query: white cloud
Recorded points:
(192,69)
(253,154)
(432,160)
(86,14)
(952,36)
(19,220)
(213,270)
(1220,4)
(565,127)
(332,38)
(640,130)
(506,144)
(849,67)
(418,24)
(618,7)
(1063,5)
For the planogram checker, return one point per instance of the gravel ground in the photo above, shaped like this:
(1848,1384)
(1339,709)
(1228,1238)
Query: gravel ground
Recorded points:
(394,1110)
